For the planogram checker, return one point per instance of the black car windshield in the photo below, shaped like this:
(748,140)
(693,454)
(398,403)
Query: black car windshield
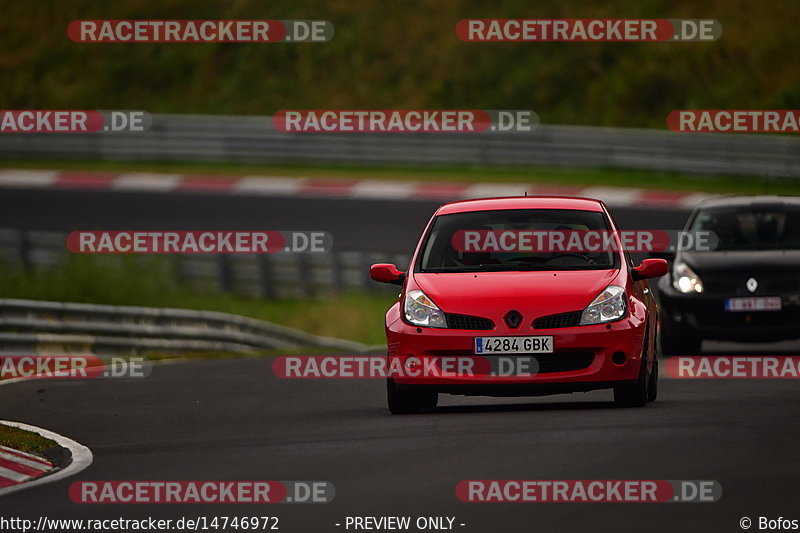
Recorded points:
(752,228)
(444,249)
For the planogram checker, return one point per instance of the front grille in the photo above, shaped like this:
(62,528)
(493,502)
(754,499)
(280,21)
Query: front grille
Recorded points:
(784,285)
(719,287)
(743,320)
(468,322)
(561,320)
(738,286)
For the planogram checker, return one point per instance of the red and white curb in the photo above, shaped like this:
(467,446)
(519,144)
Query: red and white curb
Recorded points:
(20,470)
(334,188)
(17,467)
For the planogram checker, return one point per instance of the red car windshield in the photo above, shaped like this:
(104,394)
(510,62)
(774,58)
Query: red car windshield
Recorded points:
(511,240)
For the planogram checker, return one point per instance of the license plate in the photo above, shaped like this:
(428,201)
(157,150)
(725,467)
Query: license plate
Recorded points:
(492,345)
(762,303)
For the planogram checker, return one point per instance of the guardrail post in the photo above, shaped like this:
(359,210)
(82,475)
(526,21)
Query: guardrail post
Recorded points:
(306,280)
(337,277)
(265,276)
(25,249)
(224,273)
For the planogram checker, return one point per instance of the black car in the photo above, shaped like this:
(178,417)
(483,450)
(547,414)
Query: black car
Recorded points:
(747,288)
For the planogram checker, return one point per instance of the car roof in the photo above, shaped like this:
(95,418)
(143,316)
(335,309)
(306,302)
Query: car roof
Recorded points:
(522,202)
(749,201)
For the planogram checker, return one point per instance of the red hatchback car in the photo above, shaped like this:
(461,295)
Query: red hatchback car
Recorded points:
(495,317)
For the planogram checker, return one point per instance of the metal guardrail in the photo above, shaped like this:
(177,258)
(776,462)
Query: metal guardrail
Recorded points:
(40,327)
(247,139)
(297,275)
(31,326)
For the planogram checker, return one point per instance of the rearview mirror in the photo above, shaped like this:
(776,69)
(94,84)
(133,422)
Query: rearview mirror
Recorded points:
(650,268)
(386,273)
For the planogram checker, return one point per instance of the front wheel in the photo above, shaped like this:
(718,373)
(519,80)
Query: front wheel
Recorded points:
(652,385)
(405,402)
(634,394)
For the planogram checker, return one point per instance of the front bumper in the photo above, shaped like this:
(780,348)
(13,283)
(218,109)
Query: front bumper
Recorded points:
(582,358)
(704,316)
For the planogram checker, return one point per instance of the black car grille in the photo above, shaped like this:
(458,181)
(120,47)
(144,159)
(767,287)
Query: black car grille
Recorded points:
(729,287)
(743,320)
(719,287)
(468,322)
(784,285)
(561,320)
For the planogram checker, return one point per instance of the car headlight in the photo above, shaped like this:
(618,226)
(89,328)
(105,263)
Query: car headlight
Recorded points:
(684,279)
(610,305)
(421,311)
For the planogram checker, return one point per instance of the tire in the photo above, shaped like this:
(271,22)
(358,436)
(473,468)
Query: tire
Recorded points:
(406,402)
(652,384)
(680,344)
(635,393)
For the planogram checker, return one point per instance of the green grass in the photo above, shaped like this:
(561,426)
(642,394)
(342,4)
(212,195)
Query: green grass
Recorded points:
(405,55)
(675,181)
(126,280)
(24,440)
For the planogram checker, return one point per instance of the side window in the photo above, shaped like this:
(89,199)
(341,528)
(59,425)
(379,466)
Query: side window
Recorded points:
(625,252)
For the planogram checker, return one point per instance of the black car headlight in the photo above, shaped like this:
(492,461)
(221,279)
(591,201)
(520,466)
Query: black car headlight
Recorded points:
(685,280)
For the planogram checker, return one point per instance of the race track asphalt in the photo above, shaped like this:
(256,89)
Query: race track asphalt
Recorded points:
(355,224)
(232,419)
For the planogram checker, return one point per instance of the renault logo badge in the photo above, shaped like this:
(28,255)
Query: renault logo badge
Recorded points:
(513,319)
(751,284)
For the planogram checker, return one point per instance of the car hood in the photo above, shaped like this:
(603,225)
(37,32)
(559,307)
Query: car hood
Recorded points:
(728,272)
(534,294)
